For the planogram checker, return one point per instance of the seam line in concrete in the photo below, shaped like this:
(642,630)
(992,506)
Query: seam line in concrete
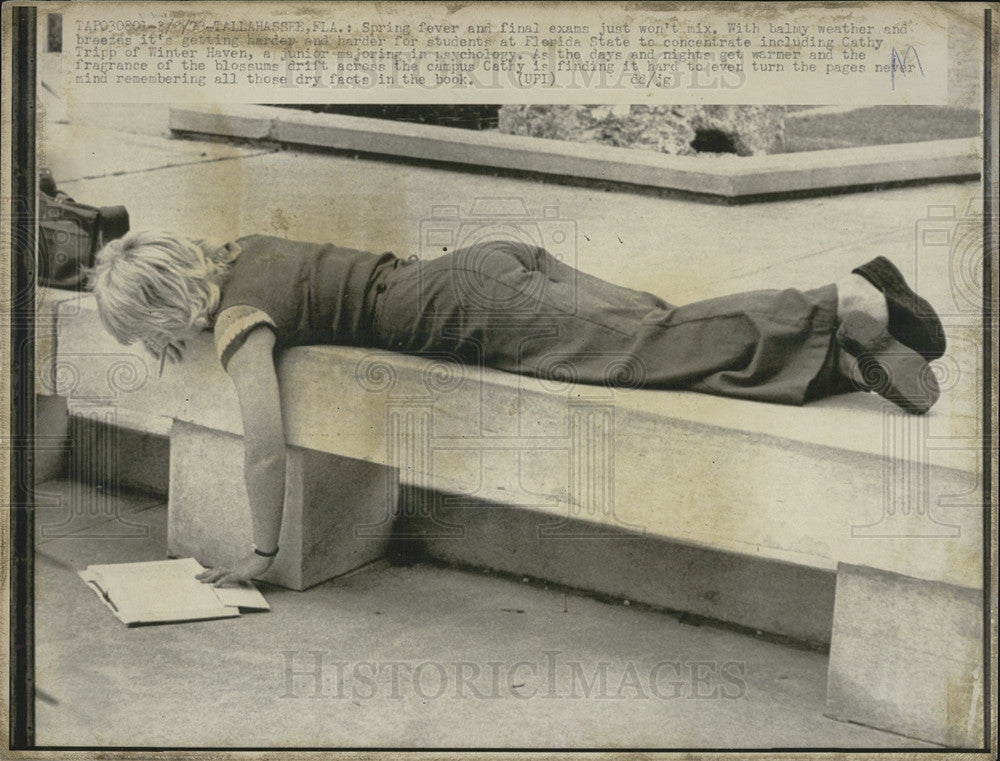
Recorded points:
(127,172)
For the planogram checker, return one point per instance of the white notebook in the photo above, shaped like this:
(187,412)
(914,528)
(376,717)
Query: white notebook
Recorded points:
(162,591)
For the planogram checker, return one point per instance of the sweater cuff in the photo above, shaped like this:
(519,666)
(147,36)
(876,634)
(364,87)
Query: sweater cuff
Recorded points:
(232,327)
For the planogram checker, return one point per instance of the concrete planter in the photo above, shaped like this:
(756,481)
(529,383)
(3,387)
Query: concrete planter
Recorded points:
(729,177)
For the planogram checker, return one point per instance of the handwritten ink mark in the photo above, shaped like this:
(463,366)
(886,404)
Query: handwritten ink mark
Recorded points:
(896,62)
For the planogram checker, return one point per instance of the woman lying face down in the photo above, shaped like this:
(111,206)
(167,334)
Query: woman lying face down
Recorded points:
(506,305)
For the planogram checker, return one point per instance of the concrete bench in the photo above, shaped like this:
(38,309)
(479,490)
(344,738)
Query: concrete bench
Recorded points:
(804,522)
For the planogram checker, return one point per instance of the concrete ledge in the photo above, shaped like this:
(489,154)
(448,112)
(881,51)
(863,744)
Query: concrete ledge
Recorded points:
(843,481)
(725,176)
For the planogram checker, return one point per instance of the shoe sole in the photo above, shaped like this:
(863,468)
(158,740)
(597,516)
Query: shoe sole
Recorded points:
(886,366)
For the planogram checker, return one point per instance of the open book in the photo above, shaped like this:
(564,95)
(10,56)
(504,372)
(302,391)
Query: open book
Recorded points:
(162,591)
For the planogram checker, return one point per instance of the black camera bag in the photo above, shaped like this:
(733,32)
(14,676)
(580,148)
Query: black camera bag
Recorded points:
(71,233)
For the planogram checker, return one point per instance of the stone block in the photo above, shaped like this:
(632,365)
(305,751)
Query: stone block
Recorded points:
(673,129)
(338,511)
(118,450)
(47,304)
(51,437)
(907,656)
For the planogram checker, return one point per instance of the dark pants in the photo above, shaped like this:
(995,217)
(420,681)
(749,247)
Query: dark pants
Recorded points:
(515,307)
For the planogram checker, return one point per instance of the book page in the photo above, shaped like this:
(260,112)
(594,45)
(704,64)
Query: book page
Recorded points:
(157,591)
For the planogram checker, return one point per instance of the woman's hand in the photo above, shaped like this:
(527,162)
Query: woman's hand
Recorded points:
(245,569)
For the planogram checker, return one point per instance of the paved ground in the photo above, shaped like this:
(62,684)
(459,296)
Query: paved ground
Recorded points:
(479,661)
(225,682)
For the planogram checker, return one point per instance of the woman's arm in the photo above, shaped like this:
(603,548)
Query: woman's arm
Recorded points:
(252,370)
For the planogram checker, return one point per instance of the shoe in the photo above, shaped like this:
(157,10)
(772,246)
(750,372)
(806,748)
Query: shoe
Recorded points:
(887,367)
(912,320)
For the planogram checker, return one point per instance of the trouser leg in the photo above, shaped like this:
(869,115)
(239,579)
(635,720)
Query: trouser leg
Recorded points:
(515,308)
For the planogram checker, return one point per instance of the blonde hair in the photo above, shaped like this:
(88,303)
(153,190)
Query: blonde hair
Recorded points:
(153,285)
